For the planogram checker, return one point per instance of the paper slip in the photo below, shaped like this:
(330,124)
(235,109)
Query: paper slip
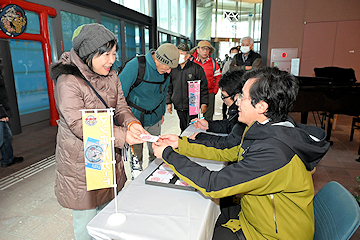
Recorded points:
(163,174)
(149,138)
(165,167)
(157,179)
(181,182)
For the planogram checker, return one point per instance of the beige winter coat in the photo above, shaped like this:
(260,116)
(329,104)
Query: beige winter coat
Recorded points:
(71,95)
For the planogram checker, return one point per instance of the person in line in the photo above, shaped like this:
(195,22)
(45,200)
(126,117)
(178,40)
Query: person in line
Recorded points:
(178,93)
(201,55)
(230,84)
(7,154)
(233,51)
(148,99)
(91,58)
(247,58)
(270,169)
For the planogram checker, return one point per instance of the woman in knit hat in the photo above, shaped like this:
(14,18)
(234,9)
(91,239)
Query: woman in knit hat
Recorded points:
(90,59)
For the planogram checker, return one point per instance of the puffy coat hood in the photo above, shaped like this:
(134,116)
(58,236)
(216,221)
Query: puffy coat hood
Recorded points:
(308,142)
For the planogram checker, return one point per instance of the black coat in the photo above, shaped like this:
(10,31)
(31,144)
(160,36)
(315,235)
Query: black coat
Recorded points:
(225,126)
(4,100)
(178,88)
(232,126)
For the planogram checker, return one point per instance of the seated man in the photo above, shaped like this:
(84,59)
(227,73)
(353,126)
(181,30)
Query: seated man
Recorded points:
(271,166)
(230,84)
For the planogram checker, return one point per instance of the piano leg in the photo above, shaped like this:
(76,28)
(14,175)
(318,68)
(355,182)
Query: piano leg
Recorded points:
(329,128)
(304,117)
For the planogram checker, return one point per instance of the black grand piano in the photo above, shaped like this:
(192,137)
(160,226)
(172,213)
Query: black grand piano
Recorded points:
(329,96)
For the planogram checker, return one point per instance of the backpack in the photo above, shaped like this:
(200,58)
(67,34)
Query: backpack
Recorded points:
(140,78)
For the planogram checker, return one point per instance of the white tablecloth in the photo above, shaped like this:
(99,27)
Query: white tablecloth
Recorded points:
(155,212)
(159,213)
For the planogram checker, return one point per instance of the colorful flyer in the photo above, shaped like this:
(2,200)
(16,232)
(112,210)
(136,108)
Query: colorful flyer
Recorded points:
(97,135)
(194,97)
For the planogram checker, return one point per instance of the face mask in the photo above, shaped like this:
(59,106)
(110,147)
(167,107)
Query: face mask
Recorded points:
(245,49)
(181,59)
(232,55)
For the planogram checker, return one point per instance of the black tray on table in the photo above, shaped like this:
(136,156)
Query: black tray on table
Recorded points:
(155,179)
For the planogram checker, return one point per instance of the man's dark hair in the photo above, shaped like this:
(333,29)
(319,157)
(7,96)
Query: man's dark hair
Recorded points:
(234,48)
(275,87)
(232,82)
(103,49)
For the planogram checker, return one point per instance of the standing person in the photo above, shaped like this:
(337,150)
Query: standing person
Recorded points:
(91,58)
(201,55)
(178,93)
(148,99)
(233,51)
(7,155)
(247,58)
(270,168)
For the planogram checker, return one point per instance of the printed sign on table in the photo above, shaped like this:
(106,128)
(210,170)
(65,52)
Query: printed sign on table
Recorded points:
(194,97)
(98,150)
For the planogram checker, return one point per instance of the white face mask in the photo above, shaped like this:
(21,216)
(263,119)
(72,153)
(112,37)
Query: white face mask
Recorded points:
(245,49)
(232,55)
(181,59)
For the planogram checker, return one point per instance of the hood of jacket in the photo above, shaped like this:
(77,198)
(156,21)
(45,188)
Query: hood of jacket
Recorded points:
(71,64)
(308,142)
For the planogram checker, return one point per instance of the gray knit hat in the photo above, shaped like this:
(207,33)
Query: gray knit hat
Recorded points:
(168,54)
(88,38)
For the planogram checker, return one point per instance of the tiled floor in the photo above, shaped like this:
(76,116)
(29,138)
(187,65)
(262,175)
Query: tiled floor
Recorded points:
(29,209)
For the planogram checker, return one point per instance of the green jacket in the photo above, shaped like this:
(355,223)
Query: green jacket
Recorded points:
(145,95)
(272,161)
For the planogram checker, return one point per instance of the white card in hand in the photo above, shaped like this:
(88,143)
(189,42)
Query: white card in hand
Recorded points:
(149,138)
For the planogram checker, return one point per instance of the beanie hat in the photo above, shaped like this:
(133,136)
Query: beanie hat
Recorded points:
(205,43)
(88,38)
(168,54)
(183,47)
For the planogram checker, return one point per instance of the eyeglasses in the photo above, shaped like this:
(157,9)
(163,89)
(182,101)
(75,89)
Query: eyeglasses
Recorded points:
(205,48)
(223,97)
(239,97)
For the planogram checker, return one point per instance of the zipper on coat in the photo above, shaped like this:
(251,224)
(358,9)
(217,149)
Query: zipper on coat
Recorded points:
(274,212)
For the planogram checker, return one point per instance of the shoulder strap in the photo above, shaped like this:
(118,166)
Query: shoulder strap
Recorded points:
(97,94)
(141,72)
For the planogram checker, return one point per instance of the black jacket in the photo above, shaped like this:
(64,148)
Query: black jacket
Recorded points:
(225,126)
(254,60)
(231,126)
(178,88)
(4,100)
(229,141)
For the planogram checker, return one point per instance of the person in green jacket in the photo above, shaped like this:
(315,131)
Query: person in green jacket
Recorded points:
(269,170)
(148,99)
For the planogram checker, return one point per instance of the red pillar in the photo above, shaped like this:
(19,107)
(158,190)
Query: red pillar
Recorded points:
(44,38)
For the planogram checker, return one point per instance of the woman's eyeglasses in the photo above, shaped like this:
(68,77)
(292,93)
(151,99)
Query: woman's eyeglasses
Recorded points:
(223,97)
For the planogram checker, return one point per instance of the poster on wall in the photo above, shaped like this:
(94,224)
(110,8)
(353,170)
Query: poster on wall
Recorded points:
(13,20)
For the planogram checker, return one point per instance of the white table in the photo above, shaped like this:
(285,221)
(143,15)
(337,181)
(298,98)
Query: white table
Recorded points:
(155,212)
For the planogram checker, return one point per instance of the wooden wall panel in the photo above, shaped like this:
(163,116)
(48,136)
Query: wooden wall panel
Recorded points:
(347,46)
(318,47)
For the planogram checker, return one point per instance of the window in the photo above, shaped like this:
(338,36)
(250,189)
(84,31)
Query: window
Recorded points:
(114,26)
(29,73)
(69,22)
(141,6)
(132,40)
(147,40)
(163,20)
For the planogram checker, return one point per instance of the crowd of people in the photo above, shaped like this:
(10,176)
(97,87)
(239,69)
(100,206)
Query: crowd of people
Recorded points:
(265,189)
